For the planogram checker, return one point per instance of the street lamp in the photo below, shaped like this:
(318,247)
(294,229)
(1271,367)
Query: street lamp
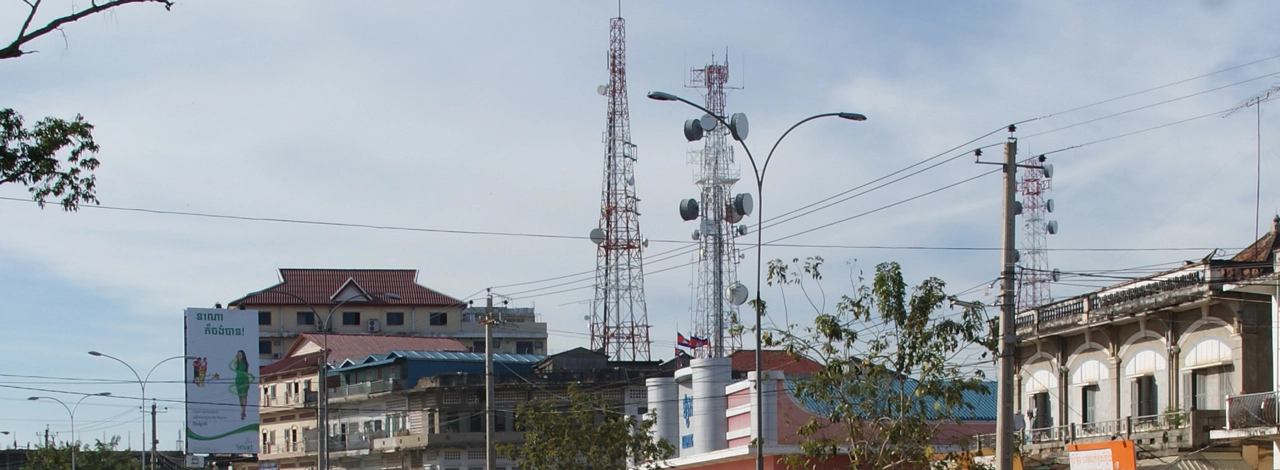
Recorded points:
(322,457)
(142,383)
(71,411)
(737,126)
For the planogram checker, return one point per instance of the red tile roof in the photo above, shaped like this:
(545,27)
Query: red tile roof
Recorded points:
(358,347)
(1260,250)
(289,364)
(318,287)
(745,361)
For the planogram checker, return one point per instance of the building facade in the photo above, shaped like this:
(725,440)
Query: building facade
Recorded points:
(1156,360)
(386,302)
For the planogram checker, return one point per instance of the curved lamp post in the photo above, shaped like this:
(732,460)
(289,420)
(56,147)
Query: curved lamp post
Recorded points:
(322,454)
(737,126)
(142,383)
(71,411)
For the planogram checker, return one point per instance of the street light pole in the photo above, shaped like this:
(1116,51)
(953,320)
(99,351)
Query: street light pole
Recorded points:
(322,395)
(142,382)
(739,131)
(71,411)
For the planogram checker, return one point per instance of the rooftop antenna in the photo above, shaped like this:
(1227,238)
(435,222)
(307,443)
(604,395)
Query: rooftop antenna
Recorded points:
(1256,102)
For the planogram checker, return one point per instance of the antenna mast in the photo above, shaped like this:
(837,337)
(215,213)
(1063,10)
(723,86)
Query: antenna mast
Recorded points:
(619,319)
(1033,289)
(716,262)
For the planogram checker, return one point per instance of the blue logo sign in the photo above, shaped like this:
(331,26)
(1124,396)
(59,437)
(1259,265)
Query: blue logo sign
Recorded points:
(687,409)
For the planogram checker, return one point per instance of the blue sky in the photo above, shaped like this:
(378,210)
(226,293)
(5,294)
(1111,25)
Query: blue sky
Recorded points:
(484,117)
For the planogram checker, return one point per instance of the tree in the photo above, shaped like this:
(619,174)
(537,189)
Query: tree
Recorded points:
(584,432)
(29,156)
(890,382)
(100,456)
(27,34)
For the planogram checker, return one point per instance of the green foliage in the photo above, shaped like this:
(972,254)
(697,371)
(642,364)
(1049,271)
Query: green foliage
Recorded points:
(890,380)
(99,456)
(584,432)
(30,157)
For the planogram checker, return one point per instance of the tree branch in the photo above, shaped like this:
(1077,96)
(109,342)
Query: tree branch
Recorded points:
(14,49)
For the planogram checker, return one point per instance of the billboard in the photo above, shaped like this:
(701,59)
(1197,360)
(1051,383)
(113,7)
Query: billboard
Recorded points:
(222,381)
(1106,455)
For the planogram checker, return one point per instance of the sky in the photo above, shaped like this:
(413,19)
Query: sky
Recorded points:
(241,137)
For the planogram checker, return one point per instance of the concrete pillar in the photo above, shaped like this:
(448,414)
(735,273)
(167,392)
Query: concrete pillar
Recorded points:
(664,400)
(710,376)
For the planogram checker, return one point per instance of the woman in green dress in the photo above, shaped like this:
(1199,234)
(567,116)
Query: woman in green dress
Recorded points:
(240,366)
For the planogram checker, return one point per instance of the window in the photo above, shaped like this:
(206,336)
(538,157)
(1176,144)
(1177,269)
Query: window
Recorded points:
(350,318)
(264,347)
(477,346)
(452,422)
(439,318)
(395,318)
(306,318)
(1144,396)
(264,318)
(524,347)
(1209,387)
(476,423)
(1089,404)
(1041,413)
(500,421)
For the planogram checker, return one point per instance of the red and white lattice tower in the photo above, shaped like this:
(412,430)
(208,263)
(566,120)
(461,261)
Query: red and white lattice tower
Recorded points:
(716,263)
(1034,278)
(619,320)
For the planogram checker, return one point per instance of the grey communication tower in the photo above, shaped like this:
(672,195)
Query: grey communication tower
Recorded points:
(619,320)
(716,262)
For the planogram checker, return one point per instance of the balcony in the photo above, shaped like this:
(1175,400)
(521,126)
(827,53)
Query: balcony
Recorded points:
(286,450)
(1252,416)
(366,388)
(401,442)
(1164,432)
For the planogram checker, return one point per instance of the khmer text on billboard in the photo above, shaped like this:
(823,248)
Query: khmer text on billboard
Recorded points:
(222,381)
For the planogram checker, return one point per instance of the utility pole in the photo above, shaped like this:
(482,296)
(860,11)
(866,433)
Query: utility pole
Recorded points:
(1008,334)
(154,441)
(488,382)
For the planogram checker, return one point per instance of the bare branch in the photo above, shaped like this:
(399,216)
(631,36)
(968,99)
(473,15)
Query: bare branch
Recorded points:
(14,49)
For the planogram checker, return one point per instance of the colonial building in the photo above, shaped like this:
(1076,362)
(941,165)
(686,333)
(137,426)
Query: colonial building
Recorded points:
(1158,361)
(386,302)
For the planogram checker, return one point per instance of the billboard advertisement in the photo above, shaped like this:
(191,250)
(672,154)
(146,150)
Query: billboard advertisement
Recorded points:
(1106,455)
(222,381)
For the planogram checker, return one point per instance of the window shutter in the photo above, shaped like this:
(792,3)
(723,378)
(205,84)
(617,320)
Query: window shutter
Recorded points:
(1188,393)
(1133,397)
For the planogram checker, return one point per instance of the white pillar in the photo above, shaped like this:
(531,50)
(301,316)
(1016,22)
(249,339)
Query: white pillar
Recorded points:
(664,402)
(710,424)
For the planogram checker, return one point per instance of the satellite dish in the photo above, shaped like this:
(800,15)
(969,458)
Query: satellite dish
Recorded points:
(597,236)
(738,126)
(1048,205)
(742,229)
(1017,208)
(586,317)
(708,122)
(692,130)
(689,209)
(1048,170)
(736,293)
(1056,275)
(602,89)
(743,204)
(631,181)
(1051,227)
(644,242)
(696,234)
(1017,256)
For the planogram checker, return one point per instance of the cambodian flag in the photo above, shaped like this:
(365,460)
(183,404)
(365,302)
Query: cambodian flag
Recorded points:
(697,342)
(682,341)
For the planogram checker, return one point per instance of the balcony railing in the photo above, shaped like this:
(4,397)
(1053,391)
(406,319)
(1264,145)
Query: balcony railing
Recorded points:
(1252,410)
(1125,428)
(363,388)
(1166,289)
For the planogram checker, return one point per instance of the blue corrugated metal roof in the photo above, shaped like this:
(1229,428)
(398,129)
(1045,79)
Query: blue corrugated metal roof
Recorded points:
(452,356)
(984,404)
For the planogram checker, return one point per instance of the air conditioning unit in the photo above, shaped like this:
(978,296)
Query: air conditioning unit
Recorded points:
(374,326)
